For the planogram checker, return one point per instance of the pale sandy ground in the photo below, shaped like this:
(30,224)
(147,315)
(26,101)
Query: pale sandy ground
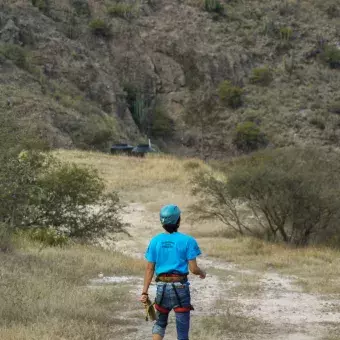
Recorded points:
(286,312)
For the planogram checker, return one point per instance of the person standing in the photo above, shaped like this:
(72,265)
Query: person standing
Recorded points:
(170,255)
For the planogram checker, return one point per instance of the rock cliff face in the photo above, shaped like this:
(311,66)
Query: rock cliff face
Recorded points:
(85,73)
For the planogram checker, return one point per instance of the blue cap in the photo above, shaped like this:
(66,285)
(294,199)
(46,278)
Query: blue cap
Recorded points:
(170,214)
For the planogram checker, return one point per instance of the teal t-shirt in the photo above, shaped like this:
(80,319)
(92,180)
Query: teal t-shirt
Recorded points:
(171,252)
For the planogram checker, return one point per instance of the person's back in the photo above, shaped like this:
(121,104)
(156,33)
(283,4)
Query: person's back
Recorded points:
(170,255)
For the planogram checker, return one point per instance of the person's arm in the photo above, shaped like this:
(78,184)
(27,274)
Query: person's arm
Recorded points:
(149,272)
(196,270)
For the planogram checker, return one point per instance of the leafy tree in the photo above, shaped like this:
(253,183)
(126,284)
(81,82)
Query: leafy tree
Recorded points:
(38,191)
(289,195)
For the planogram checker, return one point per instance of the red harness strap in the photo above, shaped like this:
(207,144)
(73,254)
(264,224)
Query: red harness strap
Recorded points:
(162,309)
(177,309)
(182,309)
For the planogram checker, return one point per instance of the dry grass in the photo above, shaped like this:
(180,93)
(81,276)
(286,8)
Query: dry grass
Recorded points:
(141,179)
(159,178)
(44,295)
(227,326)
(317,269)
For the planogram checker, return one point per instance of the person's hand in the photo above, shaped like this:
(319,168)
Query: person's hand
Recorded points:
(143,298)
(203,275)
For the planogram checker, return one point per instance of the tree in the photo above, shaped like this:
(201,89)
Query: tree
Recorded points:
(38,191)
(289,195)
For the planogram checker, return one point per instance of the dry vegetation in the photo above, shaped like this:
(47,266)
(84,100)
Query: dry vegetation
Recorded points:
(130,176)
(227,326)
(317,269)
(44,294)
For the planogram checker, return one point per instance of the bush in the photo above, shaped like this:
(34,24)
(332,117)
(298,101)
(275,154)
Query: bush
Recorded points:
(213,6)
(248,137)
(93,131)
(289,195)
(40,4)
(261,75)
(48,237)
(100,27)
(81,7)
(121,10)
(15,53)
(286,33)
(161,124)
(97,132)
(331,55)
(317,122)
(38,191)
(230,94)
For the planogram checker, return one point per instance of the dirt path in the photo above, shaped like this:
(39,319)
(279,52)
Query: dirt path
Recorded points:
(285,311)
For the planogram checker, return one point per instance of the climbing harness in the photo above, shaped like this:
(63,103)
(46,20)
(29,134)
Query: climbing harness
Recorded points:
(167,278)
(150,308)
(172,278)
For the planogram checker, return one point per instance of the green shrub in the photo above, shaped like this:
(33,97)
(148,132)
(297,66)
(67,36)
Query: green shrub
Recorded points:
(81,7)
(15,53)
(317,122)
(331,55)
(40,4)
(100,27)
(48,237)
(93,131)
(121,9)
(286,33)
(213,6)
(288,195)
(248,137)
(261,75)
(230,94)
(161,124)
(38,191)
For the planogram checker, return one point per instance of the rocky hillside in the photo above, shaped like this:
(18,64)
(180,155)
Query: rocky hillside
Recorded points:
(204,76)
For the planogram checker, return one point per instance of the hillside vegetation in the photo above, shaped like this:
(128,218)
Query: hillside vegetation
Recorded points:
(206,76)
